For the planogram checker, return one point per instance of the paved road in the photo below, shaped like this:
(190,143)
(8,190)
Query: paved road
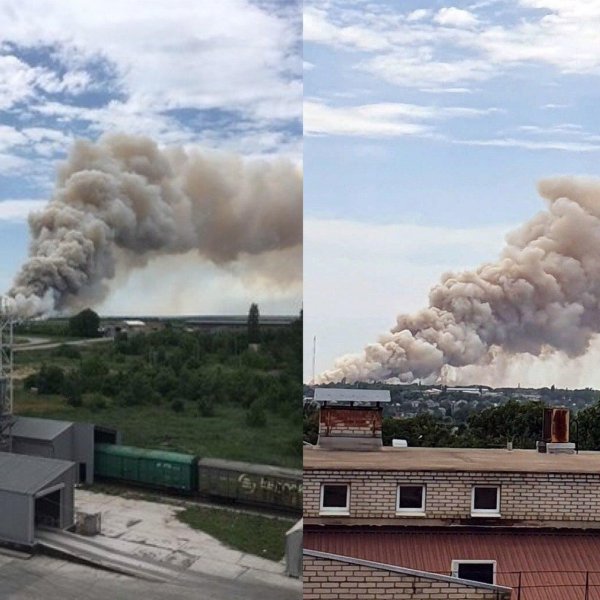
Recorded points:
(55,579)
(44,344)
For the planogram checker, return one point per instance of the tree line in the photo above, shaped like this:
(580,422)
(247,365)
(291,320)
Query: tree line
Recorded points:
(514,421)
(184,369)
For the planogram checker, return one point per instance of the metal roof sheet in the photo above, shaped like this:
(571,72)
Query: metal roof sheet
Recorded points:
(553,564)
(334,395)
(39,429)
(131,452)
(24,474)
(452,459)
(401,571)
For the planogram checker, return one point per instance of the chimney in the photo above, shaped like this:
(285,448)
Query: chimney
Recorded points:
(555,432)
(350,419)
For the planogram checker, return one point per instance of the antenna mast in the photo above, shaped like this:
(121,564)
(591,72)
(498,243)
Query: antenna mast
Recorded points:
(6,375)
(314,357)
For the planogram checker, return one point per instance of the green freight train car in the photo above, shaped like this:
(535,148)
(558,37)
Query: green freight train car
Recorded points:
(169,470)
(253,484)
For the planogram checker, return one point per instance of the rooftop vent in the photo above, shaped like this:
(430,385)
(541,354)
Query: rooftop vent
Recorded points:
(555,432)
(350,419)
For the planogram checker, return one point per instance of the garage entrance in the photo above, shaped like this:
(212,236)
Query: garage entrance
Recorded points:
(47,509)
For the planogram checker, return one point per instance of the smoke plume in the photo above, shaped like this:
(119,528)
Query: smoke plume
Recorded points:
(122,201)
(541,297)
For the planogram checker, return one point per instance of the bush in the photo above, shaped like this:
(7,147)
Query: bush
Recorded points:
(98,402)
(75,401)
(206,406)
(30,381)
(177,406)
(67,351)
(256,416)
(50,379)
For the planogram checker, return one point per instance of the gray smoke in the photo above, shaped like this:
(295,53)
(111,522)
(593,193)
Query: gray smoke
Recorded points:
(122,200)
(541,296)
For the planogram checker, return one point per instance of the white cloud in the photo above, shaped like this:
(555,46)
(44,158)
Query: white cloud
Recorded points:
(456,45)
(18,210)
(317,28)
(379,120)
(455,17)
(562,145)
(418,15)
(230,55)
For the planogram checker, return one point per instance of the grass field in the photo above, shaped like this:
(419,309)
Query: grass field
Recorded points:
(225,435)
(261,536)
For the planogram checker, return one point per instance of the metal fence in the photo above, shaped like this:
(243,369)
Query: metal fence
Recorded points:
(551,585)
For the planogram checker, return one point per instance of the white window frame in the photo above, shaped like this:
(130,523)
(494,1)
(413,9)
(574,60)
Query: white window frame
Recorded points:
(411,512)
(457,563)
(485,512)
(335,510)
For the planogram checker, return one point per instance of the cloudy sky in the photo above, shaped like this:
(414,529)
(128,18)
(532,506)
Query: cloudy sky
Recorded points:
(427,127)
(226,75)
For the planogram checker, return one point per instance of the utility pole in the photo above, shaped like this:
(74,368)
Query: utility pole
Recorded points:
(314,357)
(6,375)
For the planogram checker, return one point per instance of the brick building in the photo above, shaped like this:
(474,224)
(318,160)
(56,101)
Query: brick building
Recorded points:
(535,515)
(339,577)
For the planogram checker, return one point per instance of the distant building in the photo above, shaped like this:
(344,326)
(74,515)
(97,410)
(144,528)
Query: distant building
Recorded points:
(237,322)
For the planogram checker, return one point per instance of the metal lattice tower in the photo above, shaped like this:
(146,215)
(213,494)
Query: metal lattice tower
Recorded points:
(6,375)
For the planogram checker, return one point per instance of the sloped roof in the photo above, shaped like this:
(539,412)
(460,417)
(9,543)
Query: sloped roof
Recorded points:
(552,563)
(39,429)
(23,474)
(342,395)
(402,571)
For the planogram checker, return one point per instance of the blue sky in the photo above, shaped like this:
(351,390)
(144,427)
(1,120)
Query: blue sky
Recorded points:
(227,75)
(427,126)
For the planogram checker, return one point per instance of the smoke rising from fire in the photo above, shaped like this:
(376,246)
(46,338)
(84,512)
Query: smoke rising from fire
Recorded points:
(541,297)
(123,201)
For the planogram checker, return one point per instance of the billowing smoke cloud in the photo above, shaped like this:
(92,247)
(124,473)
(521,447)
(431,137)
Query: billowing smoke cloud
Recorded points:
(122,201)
(541,297)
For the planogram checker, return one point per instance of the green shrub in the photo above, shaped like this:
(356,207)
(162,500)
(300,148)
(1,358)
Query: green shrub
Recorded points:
(178,406)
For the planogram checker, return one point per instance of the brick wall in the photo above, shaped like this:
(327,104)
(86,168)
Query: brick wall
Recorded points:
(523,496)
(326,579)
(352,422)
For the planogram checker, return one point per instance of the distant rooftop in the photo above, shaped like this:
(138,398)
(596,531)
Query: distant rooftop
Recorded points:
(39,429)
(23,474)
(343,396)
(451,459)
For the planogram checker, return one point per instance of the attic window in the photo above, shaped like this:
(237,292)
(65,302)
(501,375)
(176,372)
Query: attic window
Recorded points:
(411,500)
(483,571)
(335,499)
(485,501)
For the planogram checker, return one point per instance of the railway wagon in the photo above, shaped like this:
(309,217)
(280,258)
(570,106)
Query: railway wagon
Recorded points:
(168,470)
(252,484)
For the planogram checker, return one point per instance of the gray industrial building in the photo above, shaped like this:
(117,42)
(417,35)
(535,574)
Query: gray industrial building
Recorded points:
(34,491)
(57,439)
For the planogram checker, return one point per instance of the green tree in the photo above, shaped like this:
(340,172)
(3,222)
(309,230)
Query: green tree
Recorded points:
(84,324)
(50,379)
(253,325)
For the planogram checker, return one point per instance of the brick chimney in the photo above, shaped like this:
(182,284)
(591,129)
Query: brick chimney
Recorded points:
(350,419)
